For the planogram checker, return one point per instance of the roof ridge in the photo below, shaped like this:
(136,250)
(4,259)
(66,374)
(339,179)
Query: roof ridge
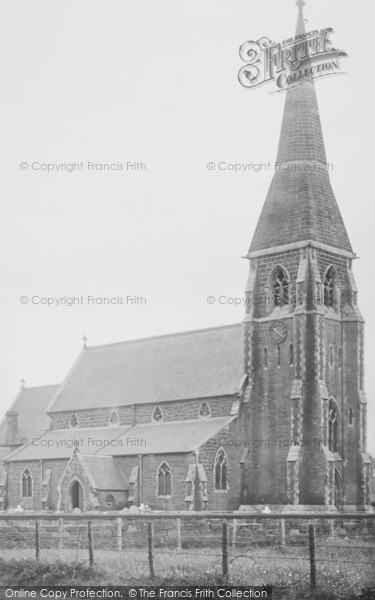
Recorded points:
(196,420)
(164,336)
(96,455)
(40,387)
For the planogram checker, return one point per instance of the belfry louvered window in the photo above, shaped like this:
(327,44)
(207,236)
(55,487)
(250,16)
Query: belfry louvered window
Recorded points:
(329,288)
(27,484)
(164,480)
(280,288)
(221,470)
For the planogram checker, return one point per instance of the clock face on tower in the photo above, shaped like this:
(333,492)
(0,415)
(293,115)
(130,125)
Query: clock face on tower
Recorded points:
(278,332)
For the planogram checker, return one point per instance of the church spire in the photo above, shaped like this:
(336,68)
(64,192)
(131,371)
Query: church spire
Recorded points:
(301,135)
(300,204)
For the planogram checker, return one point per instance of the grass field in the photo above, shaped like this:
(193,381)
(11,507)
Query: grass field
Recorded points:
(342,572)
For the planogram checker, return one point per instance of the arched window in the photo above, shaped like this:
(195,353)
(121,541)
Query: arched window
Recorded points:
(278,350)
(332,427)
(330,283)
(204,410)
(291,354)
(350,416)
(331,357)
(220,467)
(157,415)
(265,358)
(114,419)
(27,484)
(74,421)
(164,480)
(280,288)
(340,358)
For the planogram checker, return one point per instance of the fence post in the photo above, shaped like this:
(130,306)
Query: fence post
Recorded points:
(178,523)
(91,543)
(119,533)
(60,533)
(283,533)
(37,540)
(150,540)
(234,533)
(312,556)
(225,550)
(332,528)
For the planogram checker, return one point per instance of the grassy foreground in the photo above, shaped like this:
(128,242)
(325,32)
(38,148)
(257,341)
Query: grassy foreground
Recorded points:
(288,570)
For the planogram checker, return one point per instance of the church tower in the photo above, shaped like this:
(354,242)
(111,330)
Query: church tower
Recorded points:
(305,408)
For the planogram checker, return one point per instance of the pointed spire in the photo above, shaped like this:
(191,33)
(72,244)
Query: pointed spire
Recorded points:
(301,135)
(300,204)
(301,21)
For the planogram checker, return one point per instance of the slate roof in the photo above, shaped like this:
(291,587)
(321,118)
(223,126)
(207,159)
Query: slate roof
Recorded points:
(105,472)
(171,437)
(193,364)
(31,404)
(300,205)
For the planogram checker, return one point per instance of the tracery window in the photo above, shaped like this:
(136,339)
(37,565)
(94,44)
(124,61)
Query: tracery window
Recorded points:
(27,484)
(330,282)
(280,288)
(291,354)
(110,501)
(350,416)
(332,427)
(265,358)
(157,415)
(278,350)
(74,421)
(204,410)
(340,358)
(164,480)
(114,418)
(220,467)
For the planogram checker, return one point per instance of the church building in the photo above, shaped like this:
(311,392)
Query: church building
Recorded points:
(271,411)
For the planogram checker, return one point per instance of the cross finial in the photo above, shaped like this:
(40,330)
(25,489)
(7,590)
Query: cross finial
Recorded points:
(85,338)
(300,3)
(22,381)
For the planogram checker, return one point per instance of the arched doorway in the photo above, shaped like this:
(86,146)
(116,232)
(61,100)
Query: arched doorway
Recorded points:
(76,495)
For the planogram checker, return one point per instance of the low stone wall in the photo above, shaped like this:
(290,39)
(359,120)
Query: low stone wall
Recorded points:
(133,533)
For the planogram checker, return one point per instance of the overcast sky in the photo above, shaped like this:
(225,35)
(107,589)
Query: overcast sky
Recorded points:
(155,82)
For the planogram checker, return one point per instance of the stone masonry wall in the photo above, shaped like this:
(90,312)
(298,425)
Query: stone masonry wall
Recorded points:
(248,532)
(142,413)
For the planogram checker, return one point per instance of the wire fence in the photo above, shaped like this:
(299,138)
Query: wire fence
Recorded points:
(300,546)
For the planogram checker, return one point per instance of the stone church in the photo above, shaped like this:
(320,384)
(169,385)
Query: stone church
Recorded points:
(271,411)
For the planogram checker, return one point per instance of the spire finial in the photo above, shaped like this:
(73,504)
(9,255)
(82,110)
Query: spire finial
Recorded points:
(85,338)
(300,4)
(22,381)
